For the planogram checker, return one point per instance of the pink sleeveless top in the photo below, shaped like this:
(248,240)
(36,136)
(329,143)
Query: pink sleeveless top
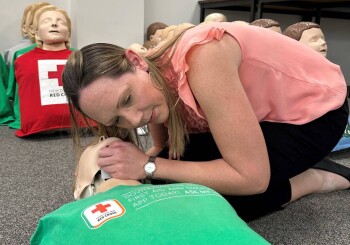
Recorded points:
(285,81)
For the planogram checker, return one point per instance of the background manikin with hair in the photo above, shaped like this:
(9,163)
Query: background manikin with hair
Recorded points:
(270,24)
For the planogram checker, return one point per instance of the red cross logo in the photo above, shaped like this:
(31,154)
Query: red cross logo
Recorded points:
(57,74)
(101,208)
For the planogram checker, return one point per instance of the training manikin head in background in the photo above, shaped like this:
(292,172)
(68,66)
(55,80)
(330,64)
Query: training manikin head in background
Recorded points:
(310,34)
(52,28)
(215,17)
(152,28)
(30,19)
(25,23)
(138,48)
(149,44)
(163,34)
(241,22)
(267,23)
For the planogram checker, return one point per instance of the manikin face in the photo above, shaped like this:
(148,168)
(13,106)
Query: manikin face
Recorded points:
(157,37)
(314,38)
(129,101)
(52,28)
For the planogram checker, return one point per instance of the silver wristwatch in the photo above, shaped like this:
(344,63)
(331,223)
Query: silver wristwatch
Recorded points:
(150,167)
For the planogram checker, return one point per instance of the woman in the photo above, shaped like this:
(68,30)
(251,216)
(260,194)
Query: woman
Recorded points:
(246,118)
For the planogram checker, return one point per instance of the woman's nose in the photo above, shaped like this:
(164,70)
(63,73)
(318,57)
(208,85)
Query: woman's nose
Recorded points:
(134,118)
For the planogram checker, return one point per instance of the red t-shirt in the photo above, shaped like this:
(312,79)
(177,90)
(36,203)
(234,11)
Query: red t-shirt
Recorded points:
(43,104)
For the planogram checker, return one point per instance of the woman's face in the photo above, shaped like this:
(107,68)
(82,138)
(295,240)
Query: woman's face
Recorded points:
(130,101)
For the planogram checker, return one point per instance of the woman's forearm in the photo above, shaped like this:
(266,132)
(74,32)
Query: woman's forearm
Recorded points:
(216,174)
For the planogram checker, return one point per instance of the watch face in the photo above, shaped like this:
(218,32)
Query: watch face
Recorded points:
(150,167)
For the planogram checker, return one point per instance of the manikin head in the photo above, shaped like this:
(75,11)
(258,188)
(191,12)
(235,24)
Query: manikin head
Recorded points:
(52,28)
(30,19)
(241,22)
(149,44)
(163,34)
(310,34)
(267,23)
(215,17)
(138,48)
(25,23)
(89,180)
(152,28)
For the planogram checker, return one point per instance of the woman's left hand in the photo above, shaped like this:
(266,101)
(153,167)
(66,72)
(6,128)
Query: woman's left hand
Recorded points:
(123,160)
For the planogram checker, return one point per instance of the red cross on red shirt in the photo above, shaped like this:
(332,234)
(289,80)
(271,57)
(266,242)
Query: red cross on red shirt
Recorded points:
(101,208)
(57,74)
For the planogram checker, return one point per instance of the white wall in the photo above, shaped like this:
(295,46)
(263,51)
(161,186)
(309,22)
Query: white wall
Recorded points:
(171,12)
(114,21)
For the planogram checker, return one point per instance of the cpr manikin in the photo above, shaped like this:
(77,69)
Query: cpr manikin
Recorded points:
(152,28)
(42,102)
(310,34)
(163,34)
(138,48)
(241,22)
(215,17)
(268,24)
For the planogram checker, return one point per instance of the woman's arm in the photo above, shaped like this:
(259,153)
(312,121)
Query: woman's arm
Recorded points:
(215,82)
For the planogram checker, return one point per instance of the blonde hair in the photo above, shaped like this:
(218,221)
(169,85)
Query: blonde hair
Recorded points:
(101,59)
(36,23)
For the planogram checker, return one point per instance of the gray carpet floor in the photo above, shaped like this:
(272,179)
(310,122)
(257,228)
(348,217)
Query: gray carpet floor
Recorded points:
(37,178)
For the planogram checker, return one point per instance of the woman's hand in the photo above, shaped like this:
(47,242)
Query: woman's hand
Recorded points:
(123,160)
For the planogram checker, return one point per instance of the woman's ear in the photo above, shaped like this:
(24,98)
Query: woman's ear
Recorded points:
(136,60)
